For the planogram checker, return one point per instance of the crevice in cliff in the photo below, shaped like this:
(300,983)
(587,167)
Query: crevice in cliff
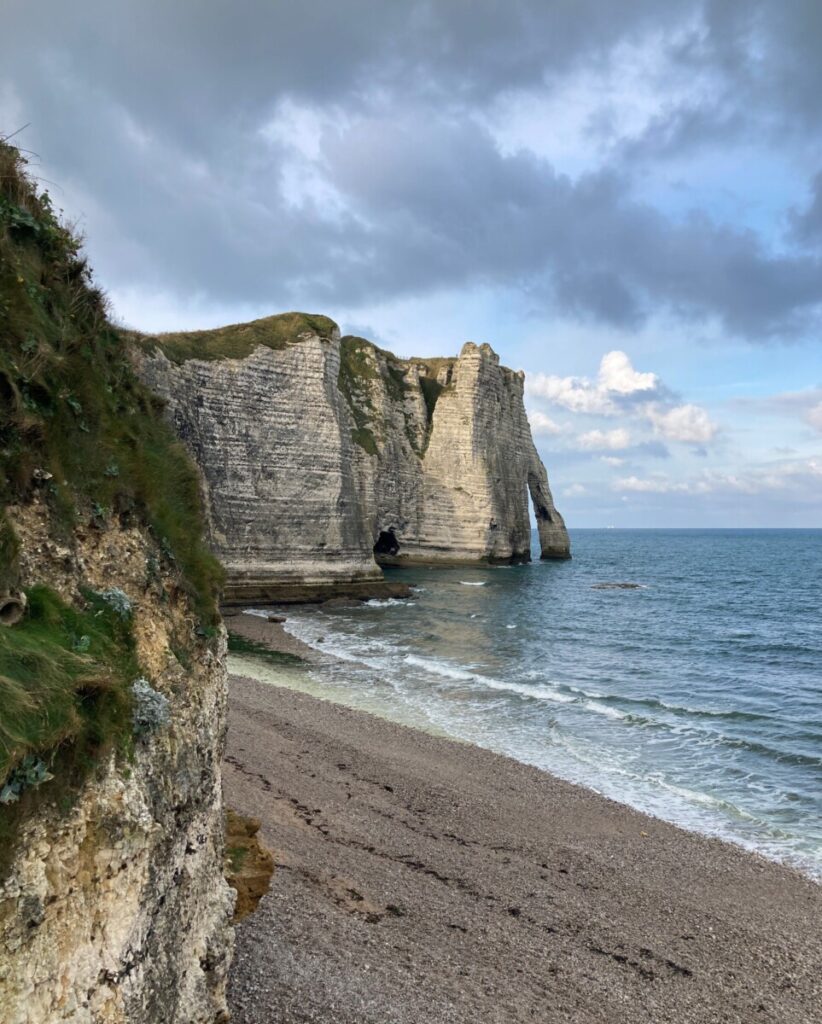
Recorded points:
(541,509)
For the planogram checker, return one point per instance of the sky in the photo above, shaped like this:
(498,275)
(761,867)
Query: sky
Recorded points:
(624,200)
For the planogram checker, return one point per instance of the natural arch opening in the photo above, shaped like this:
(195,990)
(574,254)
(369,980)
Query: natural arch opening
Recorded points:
(387,544)
(541,511)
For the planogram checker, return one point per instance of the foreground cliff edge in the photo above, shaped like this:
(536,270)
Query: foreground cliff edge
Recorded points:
(324,458)
(113,905)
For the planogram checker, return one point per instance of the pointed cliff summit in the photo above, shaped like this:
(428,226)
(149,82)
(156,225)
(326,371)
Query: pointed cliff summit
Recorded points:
(325,457)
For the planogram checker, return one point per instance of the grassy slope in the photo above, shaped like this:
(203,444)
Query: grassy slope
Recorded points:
(76,425)
(237,341)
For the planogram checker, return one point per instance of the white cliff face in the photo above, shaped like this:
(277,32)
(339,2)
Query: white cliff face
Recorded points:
(314,452)
(271,437)
(116,910)
(456,488)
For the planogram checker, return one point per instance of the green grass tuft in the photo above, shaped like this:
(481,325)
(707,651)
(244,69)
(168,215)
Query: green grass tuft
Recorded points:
(357,370)
(236,858)
(242,645)
(64,677)
(365,438)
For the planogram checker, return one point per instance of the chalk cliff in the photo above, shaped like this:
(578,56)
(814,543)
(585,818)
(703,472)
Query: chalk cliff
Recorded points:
(323,456)
(451,464)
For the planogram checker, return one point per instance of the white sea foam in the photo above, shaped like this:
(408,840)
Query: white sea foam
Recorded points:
(605,731)
(534,692)
(603,709)
(438,668)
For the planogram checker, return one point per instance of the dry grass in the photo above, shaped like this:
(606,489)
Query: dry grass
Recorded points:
(238,340)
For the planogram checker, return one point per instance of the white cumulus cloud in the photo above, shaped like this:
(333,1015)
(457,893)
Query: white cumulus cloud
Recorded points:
(605,440)
(687,423)
(616,374)
(542,424)
(620,390)
(616,379)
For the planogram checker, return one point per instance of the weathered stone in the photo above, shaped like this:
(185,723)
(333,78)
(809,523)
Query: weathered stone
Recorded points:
(321,455)
(117,909)
(451,484)
(271,437)
(249,864)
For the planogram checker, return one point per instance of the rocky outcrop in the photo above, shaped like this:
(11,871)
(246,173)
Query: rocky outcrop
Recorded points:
(323,456)
(448,476)
(249,865)
(116,910)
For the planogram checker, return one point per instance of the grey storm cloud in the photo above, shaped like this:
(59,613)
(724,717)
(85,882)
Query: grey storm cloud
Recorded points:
(153,117)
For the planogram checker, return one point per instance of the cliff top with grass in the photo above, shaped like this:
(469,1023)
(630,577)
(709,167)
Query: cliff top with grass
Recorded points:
(236,341)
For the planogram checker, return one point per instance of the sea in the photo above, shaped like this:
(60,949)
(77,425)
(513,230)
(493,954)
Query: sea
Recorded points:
(694,695)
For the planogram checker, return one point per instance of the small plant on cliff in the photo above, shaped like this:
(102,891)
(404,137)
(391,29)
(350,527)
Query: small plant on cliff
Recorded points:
(63,679)
(357,370)
(31,772)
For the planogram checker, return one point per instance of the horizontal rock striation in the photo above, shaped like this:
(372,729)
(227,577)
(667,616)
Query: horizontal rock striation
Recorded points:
(272,439)
(453,459)
(322,456)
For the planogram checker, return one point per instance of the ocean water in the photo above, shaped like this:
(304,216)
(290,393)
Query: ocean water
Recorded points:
(696,697)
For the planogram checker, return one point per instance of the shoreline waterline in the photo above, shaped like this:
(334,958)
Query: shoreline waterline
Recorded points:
(420,878)
(313,679)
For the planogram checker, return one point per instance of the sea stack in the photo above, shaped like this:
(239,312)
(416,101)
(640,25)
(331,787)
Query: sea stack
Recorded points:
(323,458)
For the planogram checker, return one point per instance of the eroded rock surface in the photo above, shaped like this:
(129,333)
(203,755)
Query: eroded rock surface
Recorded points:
(323,456)
(117,910)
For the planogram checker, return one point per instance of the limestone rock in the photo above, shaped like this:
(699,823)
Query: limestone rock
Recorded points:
(249,864)
(271,437)
(323,456)
(454,461)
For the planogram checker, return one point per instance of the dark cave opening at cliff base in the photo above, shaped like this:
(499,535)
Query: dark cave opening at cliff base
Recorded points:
(386,544)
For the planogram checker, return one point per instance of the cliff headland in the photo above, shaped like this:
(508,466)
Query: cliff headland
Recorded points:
(324,458)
